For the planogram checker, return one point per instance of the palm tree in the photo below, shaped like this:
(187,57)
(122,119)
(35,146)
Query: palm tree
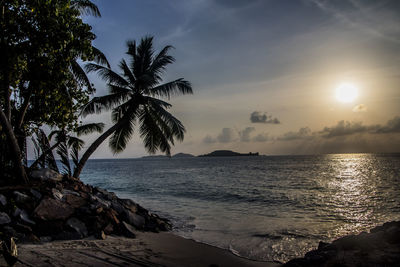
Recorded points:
(135,101)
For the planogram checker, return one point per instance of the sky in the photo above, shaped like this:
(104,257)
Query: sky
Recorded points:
(265,73)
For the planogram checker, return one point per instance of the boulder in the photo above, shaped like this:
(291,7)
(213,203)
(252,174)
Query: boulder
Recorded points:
(36,194)
(112,216)
(46,174)
(23,215)
(53,209)
(128,230)
(4,218)
(98,202)
(57,194)
(129,204)
(75,201)
(20,197)
(109,229)
(78,226)
(135,219)
(3,200)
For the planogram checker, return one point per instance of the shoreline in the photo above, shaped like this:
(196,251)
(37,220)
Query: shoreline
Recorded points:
(147,249)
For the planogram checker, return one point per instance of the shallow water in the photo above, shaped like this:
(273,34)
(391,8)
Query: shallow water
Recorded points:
(265,208)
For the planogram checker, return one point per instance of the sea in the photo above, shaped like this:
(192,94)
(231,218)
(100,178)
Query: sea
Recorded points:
(269,208)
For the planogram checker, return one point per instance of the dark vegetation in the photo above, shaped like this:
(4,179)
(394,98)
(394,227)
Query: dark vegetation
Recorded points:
(44,86)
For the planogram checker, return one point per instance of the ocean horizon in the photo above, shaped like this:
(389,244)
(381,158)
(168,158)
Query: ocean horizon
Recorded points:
(262,208)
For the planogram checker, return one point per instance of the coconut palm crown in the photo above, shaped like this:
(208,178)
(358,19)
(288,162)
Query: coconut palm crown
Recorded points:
(135,101)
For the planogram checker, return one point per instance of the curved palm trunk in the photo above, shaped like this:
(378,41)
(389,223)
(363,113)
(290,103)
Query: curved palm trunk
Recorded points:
(93,147)
(16,151)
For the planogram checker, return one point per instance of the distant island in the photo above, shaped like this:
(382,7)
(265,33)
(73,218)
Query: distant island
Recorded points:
(228,153)
(178,155)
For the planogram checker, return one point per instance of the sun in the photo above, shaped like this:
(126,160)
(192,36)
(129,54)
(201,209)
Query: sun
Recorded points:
(346,92)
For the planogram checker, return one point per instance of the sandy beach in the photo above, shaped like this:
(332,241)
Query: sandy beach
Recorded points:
(147,249)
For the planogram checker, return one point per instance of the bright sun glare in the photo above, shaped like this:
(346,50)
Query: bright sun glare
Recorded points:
(346,92)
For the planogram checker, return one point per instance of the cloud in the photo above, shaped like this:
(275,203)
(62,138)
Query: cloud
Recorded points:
(264,137)
(258,117)
(209,140)
(360,108)
(392,126)
(245,134)
(227,135)
(347,128)
(302,133)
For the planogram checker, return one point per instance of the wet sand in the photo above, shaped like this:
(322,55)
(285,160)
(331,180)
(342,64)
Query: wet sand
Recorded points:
(147,249)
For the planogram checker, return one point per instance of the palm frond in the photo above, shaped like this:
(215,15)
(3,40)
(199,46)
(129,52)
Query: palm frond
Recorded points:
(100,103)
(36,147)
(114,89)
(160,61)
(62,151)
(156,101)
(178,86)
(119,112)
(90,128)
(81,76)
(122,135)
(75,156)
(100,58)
(152,135)
(174,125)
(144,56)
(127,72)
(44,144)
(86,7)
(75,142)
(107,74)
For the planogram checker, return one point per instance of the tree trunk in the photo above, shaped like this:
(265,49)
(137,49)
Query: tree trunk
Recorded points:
(15,149)
(94,146)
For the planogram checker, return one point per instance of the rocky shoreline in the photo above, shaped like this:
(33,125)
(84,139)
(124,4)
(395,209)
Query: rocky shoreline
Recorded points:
(379,247)
(58,207)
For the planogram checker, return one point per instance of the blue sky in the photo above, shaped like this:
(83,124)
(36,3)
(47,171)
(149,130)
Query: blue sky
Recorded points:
(275,59)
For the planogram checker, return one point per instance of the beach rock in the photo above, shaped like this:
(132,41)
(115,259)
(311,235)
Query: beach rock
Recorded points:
(23,215)
(67,192)
(109,229)
(101,235)
(129,204)
(3,200)
(104,194)
(36,194)
(75,201)
(128,230)
(112,216)
(46,174)
(20,227)
(49,228)
(117,207)
(56,194)
(135,220)
(52,209)
(4,218)
(379,247)
(78,226)
(98,202)
(9,231)
(20,197)
(16,212)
